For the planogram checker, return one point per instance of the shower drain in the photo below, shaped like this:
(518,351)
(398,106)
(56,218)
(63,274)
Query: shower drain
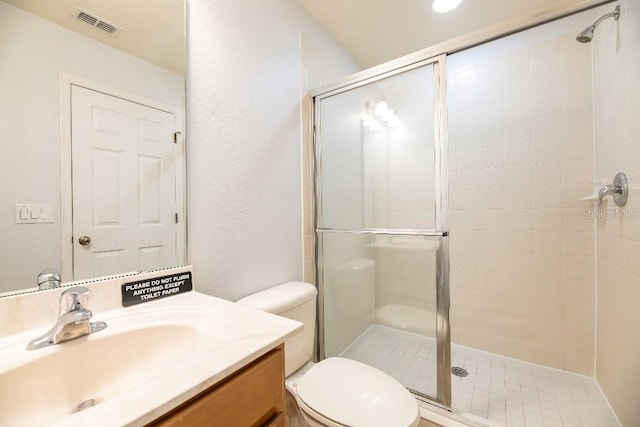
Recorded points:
(459,372)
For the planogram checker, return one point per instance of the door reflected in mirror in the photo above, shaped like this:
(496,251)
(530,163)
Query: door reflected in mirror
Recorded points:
(92,124)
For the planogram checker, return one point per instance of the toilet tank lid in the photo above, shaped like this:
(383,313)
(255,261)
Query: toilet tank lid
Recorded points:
(280,298)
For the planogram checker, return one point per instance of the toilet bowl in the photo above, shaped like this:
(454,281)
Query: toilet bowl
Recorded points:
(334,392)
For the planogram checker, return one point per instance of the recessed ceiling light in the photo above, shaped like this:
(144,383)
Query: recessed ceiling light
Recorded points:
(442,6)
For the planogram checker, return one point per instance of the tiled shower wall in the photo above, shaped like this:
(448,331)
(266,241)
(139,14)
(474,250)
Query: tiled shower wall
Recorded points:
(617,149)
(399,188)
(405,273)
(399,161)
(520,148)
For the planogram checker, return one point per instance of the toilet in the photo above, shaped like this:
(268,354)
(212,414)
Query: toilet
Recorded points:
(334,392)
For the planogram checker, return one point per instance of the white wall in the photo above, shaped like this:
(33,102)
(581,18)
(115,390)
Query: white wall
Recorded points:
(244,149)
(33,52)
(616,65)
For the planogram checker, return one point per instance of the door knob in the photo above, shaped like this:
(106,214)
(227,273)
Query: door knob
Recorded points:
(84,240)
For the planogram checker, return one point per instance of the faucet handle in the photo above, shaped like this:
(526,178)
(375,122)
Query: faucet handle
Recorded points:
(619,190)
(75,298)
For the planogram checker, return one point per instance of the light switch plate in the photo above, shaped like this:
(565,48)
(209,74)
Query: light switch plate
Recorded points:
(33,213)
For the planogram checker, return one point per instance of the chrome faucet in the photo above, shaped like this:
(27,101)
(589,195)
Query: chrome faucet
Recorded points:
(619,190)
(608,190)
(49,279)
(73,321)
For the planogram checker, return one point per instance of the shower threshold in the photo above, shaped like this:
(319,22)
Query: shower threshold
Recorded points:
(498,391)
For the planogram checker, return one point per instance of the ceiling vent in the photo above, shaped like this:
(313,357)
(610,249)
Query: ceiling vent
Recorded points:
(95,21)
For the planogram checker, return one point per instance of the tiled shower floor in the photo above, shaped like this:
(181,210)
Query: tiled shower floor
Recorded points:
(497,392)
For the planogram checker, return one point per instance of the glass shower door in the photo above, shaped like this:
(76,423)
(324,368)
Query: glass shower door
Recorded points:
(382,258)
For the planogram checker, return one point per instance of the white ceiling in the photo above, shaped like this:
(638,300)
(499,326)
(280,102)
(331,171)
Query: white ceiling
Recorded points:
(151,30)
(372,31)
(376,31)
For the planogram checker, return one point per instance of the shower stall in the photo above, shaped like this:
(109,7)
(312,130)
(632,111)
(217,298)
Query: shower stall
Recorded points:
(453,250)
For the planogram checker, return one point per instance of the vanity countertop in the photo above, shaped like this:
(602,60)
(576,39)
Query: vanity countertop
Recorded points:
(229,337)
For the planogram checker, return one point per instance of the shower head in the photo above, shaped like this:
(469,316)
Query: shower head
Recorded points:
(587,35)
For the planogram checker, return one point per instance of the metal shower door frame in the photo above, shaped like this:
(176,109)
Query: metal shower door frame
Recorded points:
(441,170)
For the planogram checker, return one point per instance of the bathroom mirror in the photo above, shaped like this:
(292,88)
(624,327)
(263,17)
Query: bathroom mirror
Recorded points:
(92,128)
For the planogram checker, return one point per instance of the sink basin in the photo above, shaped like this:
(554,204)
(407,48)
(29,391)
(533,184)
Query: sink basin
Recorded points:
(52,383)
(152,358)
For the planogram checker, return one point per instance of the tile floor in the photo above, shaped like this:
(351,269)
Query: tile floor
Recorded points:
(498,391)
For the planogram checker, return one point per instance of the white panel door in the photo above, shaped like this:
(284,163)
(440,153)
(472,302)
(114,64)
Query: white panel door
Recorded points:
(124,185)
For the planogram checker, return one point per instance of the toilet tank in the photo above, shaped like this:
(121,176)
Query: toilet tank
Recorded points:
(296,301)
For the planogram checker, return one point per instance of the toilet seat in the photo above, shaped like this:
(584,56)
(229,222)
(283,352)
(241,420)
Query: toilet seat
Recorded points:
(343,392)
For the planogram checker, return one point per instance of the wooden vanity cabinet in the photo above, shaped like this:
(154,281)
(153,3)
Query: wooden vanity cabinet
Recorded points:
(252,396)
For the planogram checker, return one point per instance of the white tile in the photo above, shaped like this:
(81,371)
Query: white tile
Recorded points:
(578,171)
(577,123)
(466,79)
(518,154)
(517,88)
(517,63)
(492,157)
(518,176)
(469,159)
(547,173)
(577,147)
(520,131)
(502,390)
(545,128)
(546,81)
(547,104)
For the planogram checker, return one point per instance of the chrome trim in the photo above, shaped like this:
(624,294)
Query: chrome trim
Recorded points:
(383,74)
(49,279)
(443,331)
(443,341)
(586,36)
(320,345)
(441,154)
(615,15)
(431,400)
(308,182)
(74,320)
(461,43)
(317,222)
(384,231)
(619,190)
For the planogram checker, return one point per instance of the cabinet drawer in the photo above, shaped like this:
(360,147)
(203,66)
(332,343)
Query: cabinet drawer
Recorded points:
(253,396)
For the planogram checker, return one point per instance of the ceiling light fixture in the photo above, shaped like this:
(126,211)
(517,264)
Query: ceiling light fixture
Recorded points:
(442,6)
